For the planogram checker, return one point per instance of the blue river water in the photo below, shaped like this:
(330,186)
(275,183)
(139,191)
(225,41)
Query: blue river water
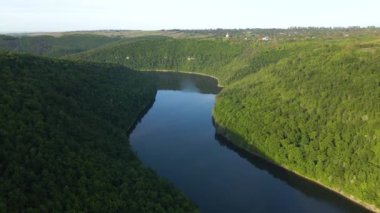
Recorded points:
(177,139)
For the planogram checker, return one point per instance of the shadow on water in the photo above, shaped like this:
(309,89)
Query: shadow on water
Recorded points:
(185,82)
(178,81)
(140,117)
(303,185)
(206,85)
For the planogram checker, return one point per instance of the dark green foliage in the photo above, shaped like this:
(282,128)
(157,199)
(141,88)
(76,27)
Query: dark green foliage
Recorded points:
(225,59)
(63,139)
(214,57)
(309,100)
(311,105)
(53,46)
(317,112)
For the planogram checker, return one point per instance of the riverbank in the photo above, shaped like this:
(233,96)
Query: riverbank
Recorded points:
(230,137)
(243,145)
(144,110)
(188,72)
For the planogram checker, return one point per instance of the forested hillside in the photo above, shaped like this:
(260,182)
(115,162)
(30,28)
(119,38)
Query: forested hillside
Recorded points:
(202,55)
(53,46)
(229,60)
(311,106)
(316,113)
(64,143)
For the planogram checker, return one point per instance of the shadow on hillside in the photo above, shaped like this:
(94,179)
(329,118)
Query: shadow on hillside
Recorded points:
(302,185)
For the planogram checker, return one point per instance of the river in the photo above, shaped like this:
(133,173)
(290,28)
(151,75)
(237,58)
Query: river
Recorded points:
(177,139)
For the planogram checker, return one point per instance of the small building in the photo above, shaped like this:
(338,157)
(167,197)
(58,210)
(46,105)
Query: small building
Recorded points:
(265,38)
(227,35)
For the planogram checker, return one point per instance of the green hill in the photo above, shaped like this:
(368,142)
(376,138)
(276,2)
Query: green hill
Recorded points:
(229,60)
(316,113)
(64,139)
(203,55)
(311,106)
(53,46)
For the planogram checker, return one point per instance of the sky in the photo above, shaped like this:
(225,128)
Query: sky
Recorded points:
(70,15)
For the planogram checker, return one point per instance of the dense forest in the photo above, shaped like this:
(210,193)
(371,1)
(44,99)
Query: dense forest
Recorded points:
(203,55)
(51,46)
(307,99)
(229,60)
(316,113)
(311,106)
(64,139)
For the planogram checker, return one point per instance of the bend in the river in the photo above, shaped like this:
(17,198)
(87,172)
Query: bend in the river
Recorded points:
(177,139)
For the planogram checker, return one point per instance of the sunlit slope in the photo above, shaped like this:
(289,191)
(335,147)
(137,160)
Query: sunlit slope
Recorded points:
(64,144)
(227,60)
(316,112)
(309,105)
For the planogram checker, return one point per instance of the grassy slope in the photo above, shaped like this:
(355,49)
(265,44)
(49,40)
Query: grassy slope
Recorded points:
(64,145)
(312,106)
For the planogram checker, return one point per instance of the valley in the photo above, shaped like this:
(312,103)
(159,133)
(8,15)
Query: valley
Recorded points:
(308,102)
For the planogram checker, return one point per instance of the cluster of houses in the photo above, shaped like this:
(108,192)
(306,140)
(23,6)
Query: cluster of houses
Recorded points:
(264,38)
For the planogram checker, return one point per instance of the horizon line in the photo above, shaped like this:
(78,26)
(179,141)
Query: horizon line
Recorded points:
(190,29)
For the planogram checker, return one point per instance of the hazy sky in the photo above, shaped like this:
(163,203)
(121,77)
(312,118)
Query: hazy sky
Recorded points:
(65,15)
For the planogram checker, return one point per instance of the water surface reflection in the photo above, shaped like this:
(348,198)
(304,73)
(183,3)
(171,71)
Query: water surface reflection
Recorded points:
(176,138)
